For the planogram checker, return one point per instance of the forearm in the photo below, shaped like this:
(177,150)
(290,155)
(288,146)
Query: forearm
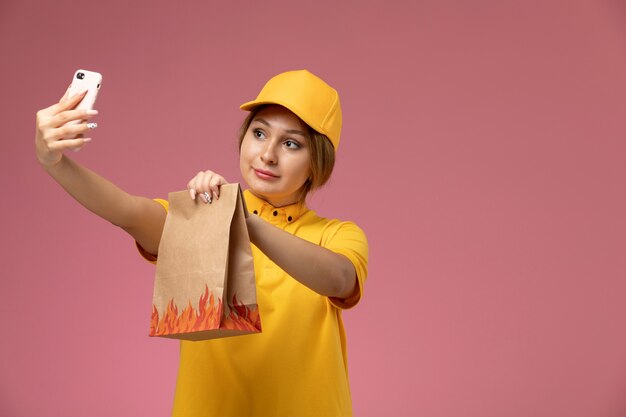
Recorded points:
(322,270)
(141,217)
(94,192)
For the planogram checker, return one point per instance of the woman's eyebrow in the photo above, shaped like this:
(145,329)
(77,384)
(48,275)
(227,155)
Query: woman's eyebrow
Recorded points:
(290,131)
(295,132)
(258,119)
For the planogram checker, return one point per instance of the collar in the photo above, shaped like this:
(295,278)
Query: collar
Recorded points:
(285,214)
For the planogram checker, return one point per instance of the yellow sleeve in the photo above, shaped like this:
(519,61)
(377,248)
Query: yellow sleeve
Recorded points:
(148,256)
(347,239)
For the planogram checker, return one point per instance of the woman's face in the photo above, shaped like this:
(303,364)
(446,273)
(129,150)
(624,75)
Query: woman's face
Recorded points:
(275,156)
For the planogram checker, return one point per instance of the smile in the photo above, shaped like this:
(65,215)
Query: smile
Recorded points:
(265,175)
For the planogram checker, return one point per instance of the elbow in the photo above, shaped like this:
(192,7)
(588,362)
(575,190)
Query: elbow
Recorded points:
(345,282)
(126,215)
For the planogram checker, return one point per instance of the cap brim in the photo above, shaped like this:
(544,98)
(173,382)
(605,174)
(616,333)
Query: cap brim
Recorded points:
(250,105)
(256,103)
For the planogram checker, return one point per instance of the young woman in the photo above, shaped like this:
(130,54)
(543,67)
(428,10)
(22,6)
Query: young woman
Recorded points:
(308,269)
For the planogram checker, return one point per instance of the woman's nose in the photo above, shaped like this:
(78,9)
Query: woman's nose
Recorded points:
(268,154)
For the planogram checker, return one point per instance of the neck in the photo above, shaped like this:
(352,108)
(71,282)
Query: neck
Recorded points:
(279,201)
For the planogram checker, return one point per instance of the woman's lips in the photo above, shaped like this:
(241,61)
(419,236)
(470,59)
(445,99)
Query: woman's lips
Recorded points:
(265,175)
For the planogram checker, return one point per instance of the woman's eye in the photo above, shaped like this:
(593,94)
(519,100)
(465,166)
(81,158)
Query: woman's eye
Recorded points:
(258,133)
(292,144)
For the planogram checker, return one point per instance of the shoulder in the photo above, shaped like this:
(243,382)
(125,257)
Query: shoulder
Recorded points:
(334,233)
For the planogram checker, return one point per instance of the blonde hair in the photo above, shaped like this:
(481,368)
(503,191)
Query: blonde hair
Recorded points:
(321,149)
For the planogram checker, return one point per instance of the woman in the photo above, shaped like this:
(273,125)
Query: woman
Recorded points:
(307,268)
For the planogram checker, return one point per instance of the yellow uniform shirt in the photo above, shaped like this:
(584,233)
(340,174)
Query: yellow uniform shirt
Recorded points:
(297,366)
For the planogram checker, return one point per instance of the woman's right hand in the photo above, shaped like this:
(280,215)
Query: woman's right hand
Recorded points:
(53,136)
(206,185)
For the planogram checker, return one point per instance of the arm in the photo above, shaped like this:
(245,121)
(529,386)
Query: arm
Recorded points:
(142,218)
(322,270)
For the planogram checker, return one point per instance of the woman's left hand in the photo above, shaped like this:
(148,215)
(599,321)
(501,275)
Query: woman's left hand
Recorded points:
(206,185)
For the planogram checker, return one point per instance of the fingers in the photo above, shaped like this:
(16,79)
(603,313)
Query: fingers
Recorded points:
(67,131)
(47,117)
(65,125)
(79,147)
(67,92)
(69,144)
(60,127)
(66,102)
(206,185)
(62,118)
(214,185)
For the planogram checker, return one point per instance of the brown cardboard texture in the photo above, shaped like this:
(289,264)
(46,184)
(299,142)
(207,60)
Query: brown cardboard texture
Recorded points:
(205,286)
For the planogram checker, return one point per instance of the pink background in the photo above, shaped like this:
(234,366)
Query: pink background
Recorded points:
(483,153)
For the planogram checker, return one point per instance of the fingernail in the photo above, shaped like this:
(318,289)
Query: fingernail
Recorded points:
(91,112)
(192,194)
(86,139)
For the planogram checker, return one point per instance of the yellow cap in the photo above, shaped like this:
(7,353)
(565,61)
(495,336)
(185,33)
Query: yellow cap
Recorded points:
(308,97)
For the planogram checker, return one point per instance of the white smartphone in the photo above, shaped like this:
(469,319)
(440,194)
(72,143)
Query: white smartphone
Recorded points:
(86,80)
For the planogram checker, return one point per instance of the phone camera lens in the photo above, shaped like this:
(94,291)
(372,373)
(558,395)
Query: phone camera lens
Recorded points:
(80,75)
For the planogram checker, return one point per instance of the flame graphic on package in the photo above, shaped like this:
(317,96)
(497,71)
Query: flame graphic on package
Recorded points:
(206,317)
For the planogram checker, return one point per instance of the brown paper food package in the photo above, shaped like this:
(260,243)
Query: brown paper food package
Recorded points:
(204,286)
